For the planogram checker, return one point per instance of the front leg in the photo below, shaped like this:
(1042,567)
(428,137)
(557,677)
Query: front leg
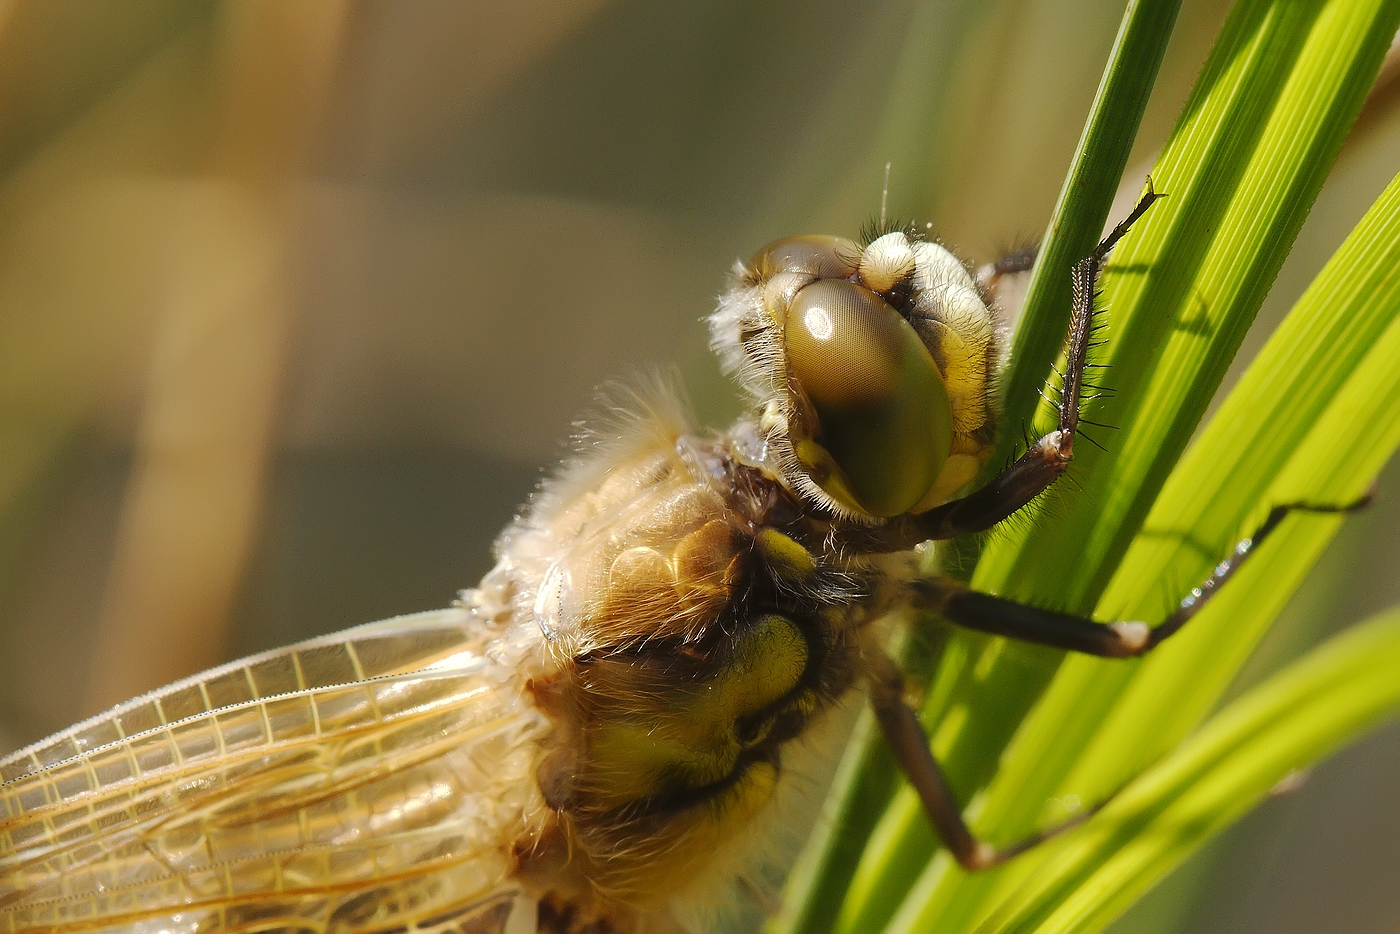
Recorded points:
(1123,639)
(1048,458)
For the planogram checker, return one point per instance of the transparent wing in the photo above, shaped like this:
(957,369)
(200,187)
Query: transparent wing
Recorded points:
(367,781)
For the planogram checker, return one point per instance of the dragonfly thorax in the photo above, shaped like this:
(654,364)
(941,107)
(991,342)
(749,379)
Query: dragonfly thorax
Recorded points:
(699,622)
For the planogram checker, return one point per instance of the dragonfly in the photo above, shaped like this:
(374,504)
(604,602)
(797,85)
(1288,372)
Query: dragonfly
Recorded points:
(619,729)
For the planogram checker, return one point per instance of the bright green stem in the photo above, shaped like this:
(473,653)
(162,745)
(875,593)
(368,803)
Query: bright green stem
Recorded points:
(1255,141)
(1075,227)
(1085,199)
(1315,418)
(1305,712)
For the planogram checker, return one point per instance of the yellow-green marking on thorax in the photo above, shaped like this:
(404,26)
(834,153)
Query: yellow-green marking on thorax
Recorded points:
(688,739)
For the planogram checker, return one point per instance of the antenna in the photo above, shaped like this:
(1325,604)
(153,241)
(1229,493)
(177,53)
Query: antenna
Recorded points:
(885,196)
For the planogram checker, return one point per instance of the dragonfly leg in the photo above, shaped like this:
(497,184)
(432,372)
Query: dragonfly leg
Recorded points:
(1046,460)
(910,745)
(1002,617)
(1014,263)
(1121,639)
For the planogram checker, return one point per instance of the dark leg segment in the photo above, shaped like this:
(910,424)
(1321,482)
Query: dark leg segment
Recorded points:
(1022,260)
(1001,617)
(1122,639)
(1017,261)
(1048,458)
(910,745)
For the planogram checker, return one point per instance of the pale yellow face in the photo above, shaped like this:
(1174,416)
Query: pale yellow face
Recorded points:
(871,366)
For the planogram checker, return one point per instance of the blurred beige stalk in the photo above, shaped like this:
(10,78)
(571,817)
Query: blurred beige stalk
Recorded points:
(210,410)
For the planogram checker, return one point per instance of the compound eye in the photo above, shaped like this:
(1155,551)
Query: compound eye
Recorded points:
(822,256)
(883,423)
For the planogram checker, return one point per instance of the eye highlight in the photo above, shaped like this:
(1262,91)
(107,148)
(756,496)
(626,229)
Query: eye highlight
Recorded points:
(878,425)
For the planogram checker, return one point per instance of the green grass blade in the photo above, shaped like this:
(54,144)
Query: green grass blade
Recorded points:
(1321,405)
(1301,714)
(1082,209)
(815,892)
(1258,135)
(1316,400)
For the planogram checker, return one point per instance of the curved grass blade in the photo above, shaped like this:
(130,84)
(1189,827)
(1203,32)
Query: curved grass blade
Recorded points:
(1082,209)
(867,777)
(1319,411)
(1303,713)
(1248,156)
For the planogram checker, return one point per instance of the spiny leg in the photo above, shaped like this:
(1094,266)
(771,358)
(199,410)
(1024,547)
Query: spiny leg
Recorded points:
(998,616)
(1122,639)
(1045,461)
(906,738)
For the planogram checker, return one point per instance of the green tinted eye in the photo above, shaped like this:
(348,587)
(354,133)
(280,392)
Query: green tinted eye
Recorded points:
(822,256)
(884,424)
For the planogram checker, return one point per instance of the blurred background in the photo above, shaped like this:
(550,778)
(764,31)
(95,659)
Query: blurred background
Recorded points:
(299,299)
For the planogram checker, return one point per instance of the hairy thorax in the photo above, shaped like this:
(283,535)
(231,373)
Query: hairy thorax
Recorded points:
(700,634)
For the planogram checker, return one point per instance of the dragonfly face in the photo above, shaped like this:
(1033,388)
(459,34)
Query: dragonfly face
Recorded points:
(627,725)
(871,367)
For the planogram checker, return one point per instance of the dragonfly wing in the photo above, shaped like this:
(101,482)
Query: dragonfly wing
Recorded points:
(368,781)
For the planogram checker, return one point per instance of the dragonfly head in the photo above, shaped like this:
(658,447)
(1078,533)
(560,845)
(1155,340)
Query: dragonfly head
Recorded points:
(870,368)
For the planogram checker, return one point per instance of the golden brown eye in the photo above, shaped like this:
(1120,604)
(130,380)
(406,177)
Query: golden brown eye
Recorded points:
(822,256)
(884,423)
